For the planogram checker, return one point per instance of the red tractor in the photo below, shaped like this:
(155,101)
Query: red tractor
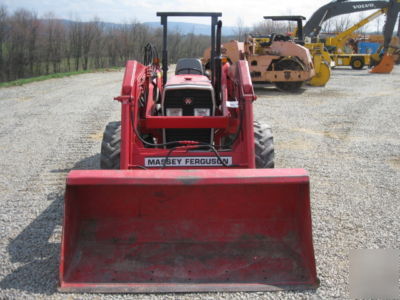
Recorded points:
(195,204)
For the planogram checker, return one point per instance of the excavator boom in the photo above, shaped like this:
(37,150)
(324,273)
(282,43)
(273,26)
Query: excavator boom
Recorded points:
(340,39)
(336,8)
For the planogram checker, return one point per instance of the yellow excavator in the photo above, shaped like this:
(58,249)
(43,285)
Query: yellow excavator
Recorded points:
(393,51)
(336,45)
(394,47)
(385,60)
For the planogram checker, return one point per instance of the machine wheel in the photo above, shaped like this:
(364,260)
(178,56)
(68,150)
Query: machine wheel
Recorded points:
(397,59)
(111,146)
(357,64)
(288,64)
(289,86)
(263,146)
(322,77)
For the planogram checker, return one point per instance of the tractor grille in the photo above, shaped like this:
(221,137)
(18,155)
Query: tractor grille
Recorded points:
(188,100)
(199,135)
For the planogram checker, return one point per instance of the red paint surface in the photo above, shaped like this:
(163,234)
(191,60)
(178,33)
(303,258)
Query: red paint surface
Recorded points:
(177,227)
(186,122)
(236,84)
(189,79)
(209,229)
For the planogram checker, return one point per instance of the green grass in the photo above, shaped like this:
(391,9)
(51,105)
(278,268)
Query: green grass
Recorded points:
(51,76)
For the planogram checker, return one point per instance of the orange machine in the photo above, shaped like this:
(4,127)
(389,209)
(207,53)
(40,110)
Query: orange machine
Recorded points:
(272,58)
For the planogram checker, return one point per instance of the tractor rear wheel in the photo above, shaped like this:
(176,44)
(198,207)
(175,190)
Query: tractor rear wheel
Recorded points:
(264,146)
(111,146)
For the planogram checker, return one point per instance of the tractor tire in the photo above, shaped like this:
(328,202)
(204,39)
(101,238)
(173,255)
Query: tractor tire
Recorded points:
(357,64)
(263,146)
(111,147)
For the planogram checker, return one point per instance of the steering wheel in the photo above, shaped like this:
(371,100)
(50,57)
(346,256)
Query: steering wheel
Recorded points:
(271,39)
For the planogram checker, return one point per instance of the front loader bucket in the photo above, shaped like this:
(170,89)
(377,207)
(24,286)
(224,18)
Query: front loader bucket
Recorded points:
(187,231)
(385,66)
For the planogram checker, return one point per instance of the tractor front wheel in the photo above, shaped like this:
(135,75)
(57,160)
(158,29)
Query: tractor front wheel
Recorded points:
(111,146)
(264,146)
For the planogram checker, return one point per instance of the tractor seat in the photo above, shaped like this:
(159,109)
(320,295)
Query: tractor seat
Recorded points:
(189,66)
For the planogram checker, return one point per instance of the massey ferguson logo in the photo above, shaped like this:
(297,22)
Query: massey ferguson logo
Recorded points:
(361,6)
(188,101)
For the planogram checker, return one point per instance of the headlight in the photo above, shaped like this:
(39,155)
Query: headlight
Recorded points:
(204,112)
(174,112)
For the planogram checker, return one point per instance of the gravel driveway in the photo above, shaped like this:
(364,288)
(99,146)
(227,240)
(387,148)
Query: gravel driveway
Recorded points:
(347,135)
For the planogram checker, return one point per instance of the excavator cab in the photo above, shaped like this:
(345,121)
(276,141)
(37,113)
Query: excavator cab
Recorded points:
(384,63)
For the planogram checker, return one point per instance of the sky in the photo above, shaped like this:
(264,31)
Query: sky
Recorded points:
(123,11)
(120,11)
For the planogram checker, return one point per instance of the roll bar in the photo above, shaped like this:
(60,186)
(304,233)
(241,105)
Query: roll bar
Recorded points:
(298,19)
(164,22)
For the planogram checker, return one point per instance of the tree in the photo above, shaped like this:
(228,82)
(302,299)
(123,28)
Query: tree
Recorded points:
(89,32)
(342,23)
(266,27)
(51,43)
(30,46)
(98,45)
(362,30)
(3,32)
(112,46)
(75,42)
(33,32)
(24,27)
(240,30)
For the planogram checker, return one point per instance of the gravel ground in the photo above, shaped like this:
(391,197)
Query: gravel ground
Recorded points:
(347,135)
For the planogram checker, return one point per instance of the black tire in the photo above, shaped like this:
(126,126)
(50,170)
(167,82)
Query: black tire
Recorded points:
(289,86)
(111,146)
(357,63)
(396,56)
(263,146)
(288,64)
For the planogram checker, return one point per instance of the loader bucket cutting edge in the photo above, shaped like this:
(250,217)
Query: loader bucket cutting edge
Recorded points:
(385,66)
(187,231)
